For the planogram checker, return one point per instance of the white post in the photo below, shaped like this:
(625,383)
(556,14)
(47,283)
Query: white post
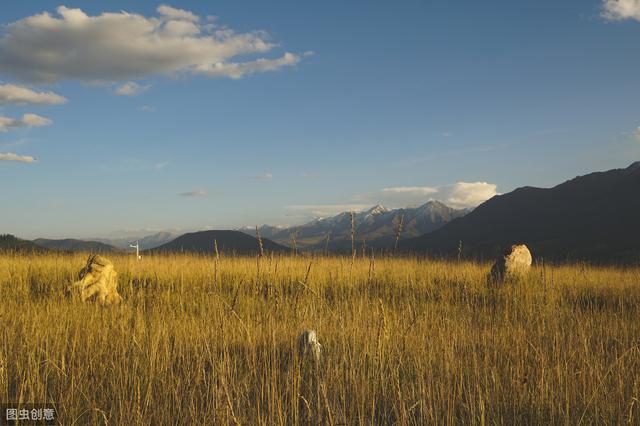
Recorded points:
(137,247)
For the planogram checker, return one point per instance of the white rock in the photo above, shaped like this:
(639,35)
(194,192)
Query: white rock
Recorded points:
(514,263)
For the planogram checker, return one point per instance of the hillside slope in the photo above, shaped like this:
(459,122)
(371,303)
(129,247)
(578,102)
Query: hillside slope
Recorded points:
(73,245)
(9,242)
(592,217)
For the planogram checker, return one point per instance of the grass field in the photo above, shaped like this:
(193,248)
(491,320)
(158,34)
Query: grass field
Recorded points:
(404,341)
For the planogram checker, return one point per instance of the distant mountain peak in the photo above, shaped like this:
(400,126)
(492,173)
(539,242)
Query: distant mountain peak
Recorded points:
(377,209)
(432,204)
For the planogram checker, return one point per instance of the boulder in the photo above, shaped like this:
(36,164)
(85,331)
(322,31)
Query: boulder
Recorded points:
(97,281)
(514,263)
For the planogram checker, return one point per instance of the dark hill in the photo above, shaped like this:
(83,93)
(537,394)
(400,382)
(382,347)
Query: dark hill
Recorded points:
(10,243)
(72,245)
(593,217)
(230,242)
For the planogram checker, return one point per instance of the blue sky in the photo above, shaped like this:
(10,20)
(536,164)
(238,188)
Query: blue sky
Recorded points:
(275,112)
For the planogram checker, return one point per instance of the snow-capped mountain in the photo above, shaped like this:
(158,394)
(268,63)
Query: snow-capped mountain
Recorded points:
(376,227)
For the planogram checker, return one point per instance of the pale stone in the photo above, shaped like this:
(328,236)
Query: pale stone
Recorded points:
(98,282)
(514,263)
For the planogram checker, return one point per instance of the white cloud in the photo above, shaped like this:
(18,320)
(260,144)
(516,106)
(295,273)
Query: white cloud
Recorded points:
(618,10)
(264,176)
(147,108)
(195,193)
(14,94)
(177,14)
(18,158)
(27,120)
(634,135)
(34,120)
(239,70)
(128,46)
(467,194)
(324,210)
(457,195)
(131,88)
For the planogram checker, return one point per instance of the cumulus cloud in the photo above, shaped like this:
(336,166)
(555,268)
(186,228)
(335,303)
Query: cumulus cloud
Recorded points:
(177,14)
(9,156)
(457,195)
(127,46)
(195,193)
(467,194)
(131,88)
(324,210)
(618,10)
(27,120)
(14,94)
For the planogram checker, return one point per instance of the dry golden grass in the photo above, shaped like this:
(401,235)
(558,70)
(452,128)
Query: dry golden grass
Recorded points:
(405,342)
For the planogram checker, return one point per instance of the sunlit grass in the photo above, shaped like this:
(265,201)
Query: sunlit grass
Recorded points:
(404,341)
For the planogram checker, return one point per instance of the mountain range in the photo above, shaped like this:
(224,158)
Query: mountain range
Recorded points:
(376,226)
(146,241)
(591,217)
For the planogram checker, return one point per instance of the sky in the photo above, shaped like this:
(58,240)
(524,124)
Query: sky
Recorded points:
(131,117)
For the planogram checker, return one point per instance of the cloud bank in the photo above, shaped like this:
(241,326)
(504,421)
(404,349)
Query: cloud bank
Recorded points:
(457,195)
(128,46)
(619,10)
(27,120)
(17,158)
(13,94)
